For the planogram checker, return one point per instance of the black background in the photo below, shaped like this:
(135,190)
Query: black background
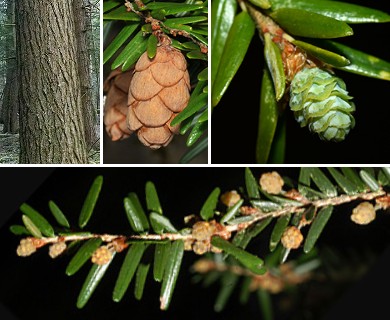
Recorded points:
(37,287)
(235,119)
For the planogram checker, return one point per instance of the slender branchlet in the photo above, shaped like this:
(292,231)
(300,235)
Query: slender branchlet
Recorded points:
(215,230)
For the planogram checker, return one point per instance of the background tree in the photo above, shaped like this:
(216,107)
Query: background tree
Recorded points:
(10,106)
(94,48)
(3,34)
(83,29)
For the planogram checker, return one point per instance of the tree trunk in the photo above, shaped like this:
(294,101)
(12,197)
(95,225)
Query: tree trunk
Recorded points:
(10,105)
(51,117)
(83,33)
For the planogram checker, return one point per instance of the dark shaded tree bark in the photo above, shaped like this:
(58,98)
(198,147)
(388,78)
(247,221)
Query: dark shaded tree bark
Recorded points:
(10,106)
(51,116)
(82,20)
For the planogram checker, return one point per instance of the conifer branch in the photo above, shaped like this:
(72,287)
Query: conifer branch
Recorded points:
(335,201)
(226,224)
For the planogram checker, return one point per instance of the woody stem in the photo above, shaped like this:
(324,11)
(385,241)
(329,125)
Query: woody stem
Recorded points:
(257,217)
(342,199)
(110,238)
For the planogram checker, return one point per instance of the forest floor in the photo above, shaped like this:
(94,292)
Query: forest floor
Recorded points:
(9,149)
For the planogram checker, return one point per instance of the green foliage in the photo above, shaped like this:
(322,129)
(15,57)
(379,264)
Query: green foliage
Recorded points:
(263,4)
(237,43)
(320,180)
(142,273)
(194,151)
(161,254)
(228,284)
(232,211)
(135,213)
(316,228)
(314,20)
(186,25)
(131,53)
(19,230)
(83,254)
(58,215)
(207,211)
(94,276)
(265,303)
(90,201)
(129,266)
(277,231)
(152,46)
(360,63)
(195,104)
(31,227)
(369,180)
(347,186)
(342,11)
(273,57)
(160,223)
(250,261)
(351,175)
(252,188)
(326,56)
(36,221)
(171,273)
(222,17)
(268,119)
(309,24)
(152,200)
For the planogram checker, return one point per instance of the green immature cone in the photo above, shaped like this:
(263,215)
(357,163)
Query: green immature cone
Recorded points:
(320,101)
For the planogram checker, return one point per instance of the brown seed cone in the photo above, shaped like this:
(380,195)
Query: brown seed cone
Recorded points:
(115,109)
(159,90)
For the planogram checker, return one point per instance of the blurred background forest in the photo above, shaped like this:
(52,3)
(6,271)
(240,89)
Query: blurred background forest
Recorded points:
(15,84)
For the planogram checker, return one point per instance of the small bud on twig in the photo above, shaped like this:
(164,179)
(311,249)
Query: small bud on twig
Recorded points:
(230,198)
(364,213)
(101,256)
(56,249)
(271,182)
(26,247)
(292,238)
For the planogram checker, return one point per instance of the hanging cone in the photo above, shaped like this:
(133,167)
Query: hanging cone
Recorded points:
(320,101)
(116,86)
(159,90)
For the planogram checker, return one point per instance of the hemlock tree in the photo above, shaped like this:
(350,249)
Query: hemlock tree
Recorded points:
(51,111)
(82,18)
